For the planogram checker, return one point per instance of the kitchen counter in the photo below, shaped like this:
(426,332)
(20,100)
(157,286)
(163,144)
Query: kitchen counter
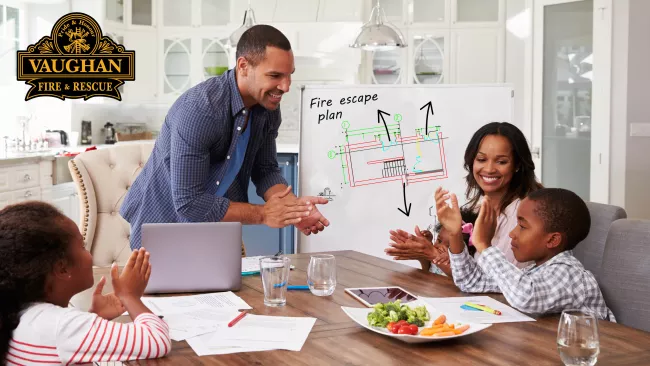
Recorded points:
(13,157)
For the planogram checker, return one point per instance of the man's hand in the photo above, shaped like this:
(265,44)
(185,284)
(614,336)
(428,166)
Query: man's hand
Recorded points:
(283,209)
(484,227)
(315,222)
(106,306)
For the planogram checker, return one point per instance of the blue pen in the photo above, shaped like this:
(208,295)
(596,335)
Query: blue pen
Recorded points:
(304,287)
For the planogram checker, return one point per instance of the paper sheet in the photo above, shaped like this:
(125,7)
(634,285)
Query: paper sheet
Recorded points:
(184,304)
(198,322)
(451,306)
(255,333)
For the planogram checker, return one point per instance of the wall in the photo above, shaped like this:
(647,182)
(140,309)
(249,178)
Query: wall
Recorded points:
(518,33)
(618,113)
(637,167)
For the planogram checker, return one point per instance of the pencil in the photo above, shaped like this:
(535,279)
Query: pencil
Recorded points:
(237,319)
(484,308)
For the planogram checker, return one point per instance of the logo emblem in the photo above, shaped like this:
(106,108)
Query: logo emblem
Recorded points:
(75,61)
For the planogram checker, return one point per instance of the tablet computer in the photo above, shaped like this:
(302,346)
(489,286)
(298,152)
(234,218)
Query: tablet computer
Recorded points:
(370,296)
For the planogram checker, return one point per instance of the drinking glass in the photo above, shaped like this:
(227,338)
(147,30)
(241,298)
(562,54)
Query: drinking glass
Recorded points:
(274,271)
(577,338)
(321,274)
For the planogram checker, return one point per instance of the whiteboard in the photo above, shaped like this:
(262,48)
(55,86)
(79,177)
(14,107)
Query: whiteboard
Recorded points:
(373,166)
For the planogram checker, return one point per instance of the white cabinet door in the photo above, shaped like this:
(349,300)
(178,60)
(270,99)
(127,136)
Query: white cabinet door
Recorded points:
(341,11)
(296,11)
(62,203)
(145,86)
(428,56)
(5,200)
(477,56)
(211,13)
(176,72)
(263,10)
(141,13)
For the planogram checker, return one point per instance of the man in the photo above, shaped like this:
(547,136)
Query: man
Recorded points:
(217,136)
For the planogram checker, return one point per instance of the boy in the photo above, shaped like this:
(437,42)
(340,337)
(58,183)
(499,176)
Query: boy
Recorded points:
(551,222)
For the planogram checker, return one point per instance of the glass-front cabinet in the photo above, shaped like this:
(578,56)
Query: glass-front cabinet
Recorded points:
(214,57)
(388,67)
(428,60)
(177,65)
(195,13)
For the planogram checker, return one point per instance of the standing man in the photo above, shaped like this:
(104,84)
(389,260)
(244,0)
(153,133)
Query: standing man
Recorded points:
(217,136)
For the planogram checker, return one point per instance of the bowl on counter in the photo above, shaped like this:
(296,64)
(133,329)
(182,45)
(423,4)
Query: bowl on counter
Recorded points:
(215,70)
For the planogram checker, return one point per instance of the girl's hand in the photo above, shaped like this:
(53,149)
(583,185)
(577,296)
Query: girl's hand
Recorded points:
(442,257)
(484,227)
(106,306)
(134,278)
(449,216)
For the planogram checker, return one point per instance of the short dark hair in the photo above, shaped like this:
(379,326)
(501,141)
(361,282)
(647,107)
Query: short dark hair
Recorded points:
(31,242)
(523,179)
(562,211)
(252,44)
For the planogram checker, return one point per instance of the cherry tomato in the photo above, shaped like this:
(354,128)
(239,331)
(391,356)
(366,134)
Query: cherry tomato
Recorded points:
(402,322)
(395,328)
(404,330)
(414,329)
(389,326)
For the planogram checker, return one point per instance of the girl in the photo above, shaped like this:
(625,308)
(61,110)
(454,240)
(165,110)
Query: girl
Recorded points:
(44,264)
(434,257)
(500,169)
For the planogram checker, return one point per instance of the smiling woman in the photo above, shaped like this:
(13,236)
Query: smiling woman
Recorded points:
(499,169)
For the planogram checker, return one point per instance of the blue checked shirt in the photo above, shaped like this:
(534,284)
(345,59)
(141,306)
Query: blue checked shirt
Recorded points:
(192,154)
(558,284)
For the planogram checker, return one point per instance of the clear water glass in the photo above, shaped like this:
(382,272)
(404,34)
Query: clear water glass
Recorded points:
(321,274)
(577,338)
(275,277)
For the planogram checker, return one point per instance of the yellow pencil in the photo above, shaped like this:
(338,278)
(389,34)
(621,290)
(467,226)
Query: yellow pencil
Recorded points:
(484,308)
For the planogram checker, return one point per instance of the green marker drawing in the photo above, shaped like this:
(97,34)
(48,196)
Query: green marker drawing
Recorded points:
(331,154)
(397,117)
(345,125)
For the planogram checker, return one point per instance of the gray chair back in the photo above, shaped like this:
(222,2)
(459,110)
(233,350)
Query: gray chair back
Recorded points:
(590,251)
(625,280)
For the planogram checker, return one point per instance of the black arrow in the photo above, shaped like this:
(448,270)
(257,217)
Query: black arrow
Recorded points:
(380,116)
(408,209)
(429,109)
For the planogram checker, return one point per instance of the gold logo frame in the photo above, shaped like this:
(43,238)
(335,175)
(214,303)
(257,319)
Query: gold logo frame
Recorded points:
(75,61)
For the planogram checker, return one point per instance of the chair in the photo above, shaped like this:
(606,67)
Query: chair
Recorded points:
(590,251)
(625,281)
(102,178)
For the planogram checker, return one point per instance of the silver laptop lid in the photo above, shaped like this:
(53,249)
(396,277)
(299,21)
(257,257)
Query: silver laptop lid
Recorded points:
(193,257)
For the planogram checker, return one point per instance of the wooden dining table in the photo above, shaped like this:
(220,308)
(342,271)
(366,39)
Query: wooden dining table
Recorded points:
(337,340)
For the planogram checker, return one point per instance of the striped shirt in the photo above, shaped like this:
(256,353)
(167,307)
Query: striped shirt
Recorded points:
(558,284)
(51,335)
(192,154)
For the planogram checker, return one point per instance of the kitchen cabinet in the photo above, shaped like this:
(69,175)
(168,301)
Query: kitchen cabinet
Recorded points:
(24,180)
(188,59)
(261,239)
(129,14)
(448,41)
(65,198)
(177,14)
(478,56)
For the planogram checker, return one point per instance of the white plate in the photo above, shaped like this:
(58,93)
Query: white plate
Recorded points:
(360,316)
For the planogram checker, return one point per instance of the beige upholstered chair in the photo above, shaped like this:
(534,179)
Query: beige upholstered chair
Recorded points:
(103,177)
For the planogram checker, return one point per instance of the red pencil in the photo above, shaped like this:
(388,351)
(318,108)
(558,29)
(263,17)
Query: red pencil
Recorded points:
(237,319)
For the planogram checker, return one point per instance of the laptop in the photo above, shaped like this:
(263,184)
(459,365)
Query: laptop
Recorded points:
(193,257)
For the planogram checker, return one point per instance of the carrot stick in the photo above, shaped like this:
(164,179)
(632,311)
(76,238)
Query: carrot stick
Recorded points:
(461,329)
(441,319)
(444,334)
